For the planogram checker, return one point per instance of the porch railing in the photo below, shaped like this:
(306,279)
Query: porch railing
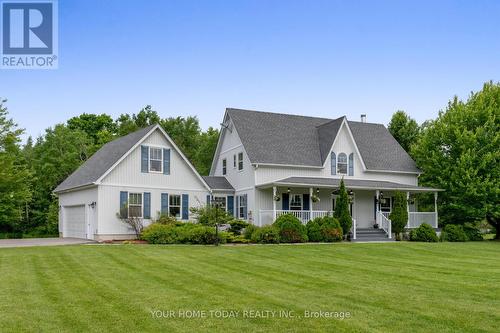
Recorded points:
(415,219)
(266,216)
(384,223)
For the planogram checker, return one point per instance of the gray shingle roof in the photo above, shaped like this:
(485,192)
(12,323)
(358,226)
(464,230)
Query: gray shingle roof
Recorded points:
(351,183)
(274,138)
(102,160)
(218,183)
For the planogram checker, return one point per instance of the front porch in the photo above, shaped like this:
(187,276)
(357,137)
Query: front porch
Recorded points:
(370,206)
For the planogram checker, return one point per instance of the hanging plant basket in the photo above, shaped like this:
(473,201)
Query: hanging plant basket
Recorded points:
(276,198)
(315,198)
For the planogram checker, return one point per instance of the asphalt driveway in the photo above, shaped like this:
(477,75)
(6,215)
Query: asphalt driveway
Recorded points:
(42,242)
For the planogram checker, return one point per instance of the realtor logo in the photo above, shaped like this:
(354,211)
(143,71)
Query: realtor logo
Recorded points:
(29,34)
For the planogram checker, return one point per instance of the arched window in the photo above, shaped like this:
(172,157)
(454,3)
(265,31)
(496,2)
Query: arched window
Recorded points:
(342,164)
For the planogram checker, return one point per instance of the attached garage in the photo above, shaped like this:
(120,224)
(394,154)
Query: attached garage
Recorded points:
(74,224)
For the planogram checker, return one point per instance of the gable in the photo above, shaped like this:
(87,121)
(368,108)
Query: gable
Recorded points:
(128,172)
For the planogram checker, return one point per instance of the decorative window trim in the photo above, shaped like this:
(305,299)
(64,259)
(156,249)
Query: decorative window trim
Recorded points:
(240,161)
(343,164)
(130,204)
(150,158)
(171,205)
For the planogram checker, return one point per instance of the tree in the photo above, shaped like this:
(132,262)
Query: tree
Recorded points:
(399,214)
(459,152)
(342,209)
(126,123)
(55,156)
(15,177)
(206,150)
(100,128)
(404,129)
(186,134)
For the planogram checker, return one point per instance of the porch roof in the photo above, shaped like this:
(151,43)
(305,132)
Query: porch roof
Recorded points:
(349,183)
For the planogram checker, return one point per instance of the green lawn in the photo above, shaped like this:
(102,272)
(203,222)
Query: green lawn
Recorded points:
(385,287)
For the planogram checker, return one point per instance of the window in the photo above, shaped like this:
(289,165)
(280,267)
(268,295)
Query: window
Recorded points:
(242,206)
(155,159)
(234,161)
(385,204)
(174,207)
(240,161)
(220,202)
(296,202)
(224,166)
(342,164)
(135,204)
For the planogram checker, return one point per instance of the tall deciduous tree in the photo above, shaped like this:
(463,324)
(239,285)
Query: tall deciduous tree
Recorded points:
(460,152)
(404,129)
(14,175)
(206,150)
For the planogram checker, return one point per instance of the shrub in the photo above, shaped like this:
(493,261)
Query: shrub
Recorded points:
(232,238)
(160,234)
(209,215)
(331,230)
(453,233)
(399,214)
(342,210)
(237,226)
(291,229)
(268,234)
(167,220)
(314,230)
(190,233)
(472,231)
(424,233)
(249,230)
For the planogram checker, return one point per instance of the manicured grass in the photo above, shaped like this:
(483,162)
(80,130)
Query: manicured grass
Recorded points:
(386,287)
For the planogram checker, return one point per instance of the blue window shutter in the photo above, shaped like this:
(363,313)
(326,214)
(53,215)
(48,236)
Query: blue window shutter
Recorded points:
(144,159)
(166,161)
(237,210)
(185,206)
(123,204)
(286,201)
(305,201)
(164,204)
(230,204)
(147,205)
(208,199)
(333,162)
(245,211)
(351,164)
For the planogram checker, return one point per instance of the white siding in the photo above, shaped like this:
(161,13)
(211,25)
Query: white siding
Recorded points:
(231,145)
(76,198)
(128,172)
(109,196)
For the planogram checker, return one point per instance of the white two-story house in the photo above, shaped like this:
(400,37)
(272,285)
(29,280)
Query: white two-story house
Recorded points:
(282,163)
(266,164)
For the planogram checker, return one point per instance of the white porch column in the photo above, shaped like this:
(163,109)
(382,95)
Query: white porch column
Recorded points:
(274,203)
(310,203)
(436,207)
(377,206)
(408,208)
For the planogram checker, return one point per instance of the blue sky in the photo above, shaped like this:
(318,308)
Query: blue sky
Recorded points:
(320,58)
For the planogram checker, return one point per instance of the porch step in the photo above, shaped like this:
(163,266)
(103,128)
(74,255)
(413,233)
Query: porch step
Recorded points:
(371,235)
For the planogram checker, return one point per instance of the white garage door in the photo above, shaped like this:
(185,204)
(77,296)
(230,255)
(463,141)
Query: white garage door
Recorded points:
(74,222)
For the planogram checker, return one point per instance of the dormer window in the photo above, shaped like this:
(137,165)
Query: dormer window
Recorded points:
(155,159)
(342,164)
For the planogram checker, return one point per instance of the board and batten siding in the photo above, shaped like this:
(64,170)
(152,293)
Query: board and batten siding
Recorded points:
(76,198)
(110,224)
(128,172)
(231,145)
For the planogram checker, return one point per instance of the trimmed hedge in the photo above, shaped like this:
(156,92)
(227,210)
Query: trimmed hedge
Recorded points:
(424,233)
(186,233)
(268,234)
(324,229)
(291,230)
(453,233)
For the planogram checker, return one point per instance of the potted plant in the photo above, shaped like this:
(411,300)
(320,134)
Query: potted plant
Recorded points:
(375,225)
(315,198)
